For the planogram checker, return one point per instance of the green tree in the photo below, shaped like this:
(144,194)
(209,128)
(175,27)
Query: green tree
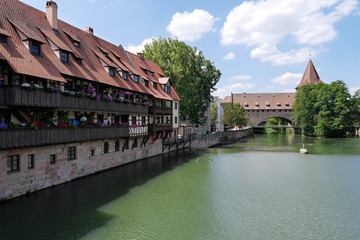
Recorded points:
(304,113)
(325,110)
(355,111)
(192,76)
(234,115)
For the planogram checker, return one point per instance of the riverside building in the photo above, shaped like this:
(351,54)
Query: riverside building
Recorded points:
(71,103)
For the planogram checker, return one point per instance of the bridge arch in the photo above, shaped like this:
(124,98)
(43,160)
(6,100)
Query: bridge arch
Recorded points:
(258,117)
(277,117)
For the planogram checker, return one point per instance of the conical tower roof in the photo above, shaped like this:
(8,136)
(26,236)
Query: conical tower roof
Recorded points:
(310,76)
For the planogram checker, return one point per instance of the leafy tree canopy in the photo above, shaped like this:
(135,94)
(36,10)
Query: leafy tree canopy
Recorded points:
(326,109)
(234,115)
(192,76)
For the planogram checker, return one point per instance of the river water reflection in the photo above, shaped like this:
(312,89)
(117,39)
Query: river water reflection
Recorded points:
(257,188)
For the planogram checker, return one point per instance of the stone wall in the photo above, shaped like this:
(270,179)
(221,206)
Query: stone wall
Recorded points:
(44,174)
(211,139)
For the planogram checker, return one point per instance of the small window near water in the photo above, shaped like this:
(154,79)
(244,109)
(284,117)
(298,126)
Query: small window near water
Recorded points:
(71,153)
(53,159)
(31,159)
(13,163)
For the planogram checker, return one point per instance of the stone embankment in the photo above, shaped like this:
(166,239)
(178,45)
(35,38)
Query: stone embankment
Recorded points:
(212,139)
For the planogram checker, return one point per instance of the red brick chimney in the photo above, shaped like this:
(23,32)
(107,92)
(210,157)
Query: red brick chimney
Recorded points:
(141,55)
(51,14)
(89,30)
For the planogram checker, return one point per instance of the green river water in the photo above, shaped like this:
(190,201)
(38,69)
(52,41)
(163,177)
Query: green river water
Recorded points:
(260,187)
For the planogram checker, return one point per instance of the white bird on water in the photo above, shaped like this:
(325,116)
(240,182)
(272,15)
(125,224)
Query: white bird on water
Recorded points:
(303,150)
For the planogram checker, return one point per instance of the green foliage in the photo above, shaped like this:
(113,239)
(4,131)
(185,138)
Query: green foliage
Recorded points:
(213,113)
(192,76)
(279,122)
(272,121)
(234,115)
(325,110)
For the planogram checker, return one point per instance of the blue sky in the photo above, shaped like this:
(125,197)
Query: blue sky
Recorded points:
(259,46)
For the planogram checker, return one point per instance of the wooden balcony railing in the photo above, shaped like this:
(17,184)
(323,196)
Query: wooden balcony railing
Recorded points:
(138,131)
(160,110)
(18,138)
(17,96)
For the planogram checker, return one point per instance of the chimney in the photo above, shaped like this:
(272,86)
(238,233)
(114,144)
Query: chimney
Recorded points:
(51,14)
(141,55)
(89,30)
(232,98)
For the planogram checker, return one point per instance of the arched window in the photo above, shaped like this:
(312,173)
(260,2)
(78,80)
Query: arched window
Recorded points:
(106,147)
(117,145)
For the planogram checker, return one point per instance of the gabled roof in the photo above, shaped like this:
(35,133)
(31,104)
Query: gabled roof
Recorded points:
(310,76)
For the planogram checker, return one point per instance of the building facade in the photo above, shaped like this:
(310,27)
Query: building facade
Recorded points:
(71,103)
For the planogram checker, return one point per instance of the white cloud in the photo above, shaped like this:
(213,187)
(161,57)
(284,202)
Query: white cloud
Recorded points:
(234,88)
(353,90)
(288,79)
(191,26)
(262,25)
(136,49)
(239,78)
(229,56)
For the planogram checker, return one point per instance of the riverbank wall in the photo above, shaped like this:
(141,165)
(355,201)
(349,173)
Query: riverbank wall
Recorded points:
(212,139)
(46,166)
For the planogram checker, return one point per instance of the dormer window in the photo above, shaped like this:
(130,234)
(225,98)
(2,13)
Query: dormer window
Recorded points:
(279,104)
(136,78)
(35,47)
(151,73)
(76,43)
(167,89)
(146,83)
(155,85)
(268,104)
(112,71)
(145,71)
(287,105)
(3,39)
(78,61)
(64,57)
(125,75)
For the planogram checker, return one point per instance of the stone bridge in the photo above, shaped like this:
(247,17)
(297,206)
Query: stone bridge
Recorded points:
(257,117)
(259,107)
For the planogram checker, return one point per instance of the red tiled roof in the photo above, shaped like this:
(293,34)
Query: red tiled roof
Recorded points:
(34,25)
(310,76)
(73,36)
(29,33)
(55,39)
(4,32)
(264,100)
(153,67)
